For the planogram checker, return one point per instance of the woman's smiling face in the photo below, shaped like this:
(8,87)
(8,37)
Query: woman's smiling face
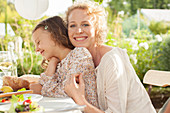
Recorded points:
(81,29)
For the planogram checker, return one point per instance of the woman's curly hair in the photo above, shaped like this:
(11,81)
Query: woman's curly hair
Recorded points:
(99,14)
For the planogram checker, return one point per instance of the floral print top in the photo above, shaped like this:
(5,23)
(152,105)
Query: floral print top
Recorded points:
(78,60)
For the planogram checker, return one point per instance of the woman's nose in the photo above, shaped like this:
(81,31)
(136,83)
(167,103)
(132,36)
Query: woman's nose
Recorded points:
(79,30)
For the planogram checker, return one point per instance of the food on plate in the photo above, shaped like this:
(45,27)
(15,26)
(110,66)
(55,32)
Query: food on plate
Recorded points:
(31,78)
(26,106)
(20,82)
(6,89)
(7,99)
(15,82)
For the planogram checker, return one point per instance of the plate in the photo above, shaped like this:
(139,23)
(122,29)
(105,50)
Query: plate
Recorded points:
(34,97)
(53,107)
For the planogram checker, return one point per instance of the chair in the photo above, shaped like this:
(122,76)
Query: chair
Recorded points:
(157,78)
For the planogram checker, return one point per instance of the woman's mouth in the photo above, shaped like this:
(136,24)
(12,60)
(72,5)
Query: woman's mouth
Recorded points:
(80,38)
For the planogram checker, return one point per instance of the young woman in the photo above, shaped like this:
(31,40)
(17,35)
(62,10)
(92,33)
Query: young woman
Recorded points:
(51,40)
(118,87)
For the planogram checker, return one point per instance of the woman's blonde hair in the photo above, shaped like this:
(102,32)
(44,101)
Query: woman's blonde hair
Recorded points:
(99,14)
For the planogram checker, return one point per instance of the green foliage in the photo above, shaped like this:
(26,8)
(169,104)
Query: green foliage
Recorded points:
(130,24)
(28,62)
(100,1)
(131,6)
(159,27)
(145,50)
(162,62)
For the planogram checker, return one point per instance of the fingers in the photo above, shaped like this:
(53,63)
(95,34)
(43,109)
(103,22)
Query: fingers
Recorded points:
(81,81)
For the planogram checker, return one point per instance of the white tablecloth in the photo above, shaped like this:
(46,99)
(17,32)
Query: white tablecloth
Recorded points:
(54,105)
(61,105)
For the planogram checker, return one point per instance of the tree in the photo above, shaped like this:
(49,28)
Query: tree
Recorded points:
(131,6)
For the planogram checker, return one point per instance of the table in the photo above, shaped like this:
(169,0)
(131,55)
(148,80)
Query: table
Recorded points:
(54,105)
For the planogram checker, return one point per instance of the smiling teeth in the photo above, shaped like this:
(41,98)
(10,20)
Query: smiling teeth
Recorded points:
(80,38)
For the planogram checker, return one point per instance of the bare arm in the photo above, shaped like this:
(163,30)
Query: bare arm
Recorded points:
(167,110)
(77,92)
(36,87)
(52,65)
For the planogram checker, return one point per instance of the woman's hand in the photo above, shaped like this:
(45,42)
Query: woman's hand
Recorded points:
(75,88)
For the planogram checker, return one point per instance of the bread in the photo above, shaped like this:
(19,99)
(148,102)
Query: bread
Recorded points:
(15,82)
(31,78)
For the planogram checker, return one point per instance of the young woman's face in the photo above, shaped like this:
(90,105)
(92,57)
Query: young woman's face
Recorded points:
(81,29)
(44,43)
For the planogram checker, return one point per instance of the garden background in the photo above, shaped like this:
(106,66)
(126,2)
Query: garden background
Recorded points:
(147,41)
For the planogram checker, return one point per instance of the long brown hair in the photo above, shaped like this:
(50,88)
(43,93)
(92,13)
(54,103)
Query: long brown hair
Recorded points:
(59,32)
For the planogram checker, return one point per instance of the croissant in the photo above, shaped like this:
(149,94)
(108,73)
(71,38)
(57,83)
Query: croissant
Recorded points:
(15,82)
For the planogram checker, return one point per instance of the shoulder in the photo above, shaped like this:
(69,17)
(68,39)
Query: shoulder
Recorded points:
(80,52)
(104,49)
(114,56)
(108,50)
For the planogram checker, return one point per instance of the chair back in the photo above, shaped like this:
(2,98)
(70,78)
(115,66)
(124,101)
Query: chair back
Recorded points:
(157,78)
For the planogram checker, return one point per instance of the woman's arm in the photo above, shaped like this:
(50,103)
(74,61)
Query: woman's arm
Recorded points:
(167,110)
(75,88)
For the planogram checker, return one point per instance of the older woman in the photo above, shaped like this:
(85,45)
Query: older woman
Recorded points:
(118,87)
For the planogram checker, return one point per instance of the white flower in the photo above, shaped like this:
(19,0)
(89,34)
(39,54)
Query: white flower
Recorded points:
(145,45)
(121,13)
(159,38)
(27,51)
(133,42)
(124,3)
(133,57)
(115,43)
(25,43)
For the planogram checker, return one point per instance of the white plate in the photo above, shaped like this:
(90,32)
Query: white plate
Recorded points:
(60,106)
(34,98)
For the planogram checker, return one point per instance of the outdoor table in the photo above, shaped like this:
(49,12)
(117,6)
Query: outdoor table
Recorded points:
(53,105)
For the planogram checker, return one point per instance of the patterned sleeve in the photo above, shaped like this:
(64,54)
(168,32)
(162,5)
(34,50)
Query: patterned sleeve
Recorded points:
(44,78)
(82,62)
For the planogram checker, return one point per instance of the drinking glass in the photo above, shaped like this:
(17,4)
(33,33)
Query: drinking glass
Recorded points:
(5,64)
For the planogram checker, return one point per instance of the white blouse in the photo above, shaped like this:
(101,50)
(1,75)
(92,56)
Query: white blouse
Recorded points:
(119,88)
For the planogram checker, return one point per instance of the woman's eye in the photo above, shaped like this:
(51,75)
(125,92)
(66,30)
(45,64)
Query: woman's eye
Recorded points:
(72,25)
(85,25)
(38,42)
